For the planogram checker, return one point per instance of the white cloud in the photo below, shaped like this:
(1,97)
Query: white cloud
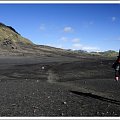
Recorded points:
(76,40)
(65,39)
(68,29)
(89,48)
(79,46)
(113,19)
(42,27)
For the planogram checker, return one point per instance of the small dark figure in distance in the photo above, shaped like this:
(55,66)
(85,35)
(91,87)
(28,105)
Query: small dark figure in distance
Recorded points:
(116,66)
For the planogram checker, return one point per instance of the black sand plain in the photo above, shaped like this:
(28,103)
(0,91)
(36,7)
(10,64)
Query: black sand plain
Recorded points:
(58,87)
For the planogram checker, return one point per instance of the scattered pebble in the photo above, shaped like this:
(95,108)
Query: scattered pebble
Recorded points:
(116,114)
(64,103)
(107,112)
(34,110)
(48,96)
(43,67)
(62,114)
(103,113)
(13,104)
(37,81)
(97,113)
(35,107)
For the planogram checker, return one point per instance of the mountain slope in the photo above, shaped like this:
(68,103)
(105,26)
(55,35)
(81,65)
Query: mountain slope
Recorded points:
(10,40)
(12,43)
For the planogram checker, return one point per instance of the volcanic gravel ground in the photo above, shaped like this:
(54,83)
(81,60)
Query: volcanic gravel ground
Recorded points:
(58,87)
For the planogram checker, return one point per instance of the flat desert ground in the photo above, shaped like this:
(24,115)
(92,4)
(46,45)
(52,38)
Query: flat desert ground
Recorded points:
(58,87)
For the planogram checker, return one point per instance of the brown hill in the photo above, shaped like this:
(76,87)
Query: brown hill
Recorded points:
(12,43)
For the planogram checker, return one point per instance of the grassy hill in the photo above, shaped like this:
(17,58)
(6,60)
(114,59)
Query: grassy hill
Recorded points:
(11,40)
(9,33)
(12,43)
(109,53)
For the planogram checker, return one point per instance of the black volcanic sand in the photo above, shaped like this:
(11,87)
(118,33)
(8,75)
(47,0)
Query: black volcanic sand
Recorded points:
(58,86)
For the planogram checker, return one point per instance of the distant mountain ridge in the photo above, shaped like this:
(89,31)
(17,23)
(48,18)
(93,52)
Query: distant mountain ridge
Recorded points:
(109,53)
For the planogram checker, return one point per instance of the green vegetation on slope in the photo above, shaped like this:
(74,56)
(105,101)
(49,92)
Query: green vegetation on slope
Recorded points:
(12,42)
(7,32)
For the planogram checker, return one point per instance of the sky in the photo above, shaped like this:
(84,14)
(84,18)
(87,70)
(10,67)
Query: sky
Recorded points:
(89,27)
